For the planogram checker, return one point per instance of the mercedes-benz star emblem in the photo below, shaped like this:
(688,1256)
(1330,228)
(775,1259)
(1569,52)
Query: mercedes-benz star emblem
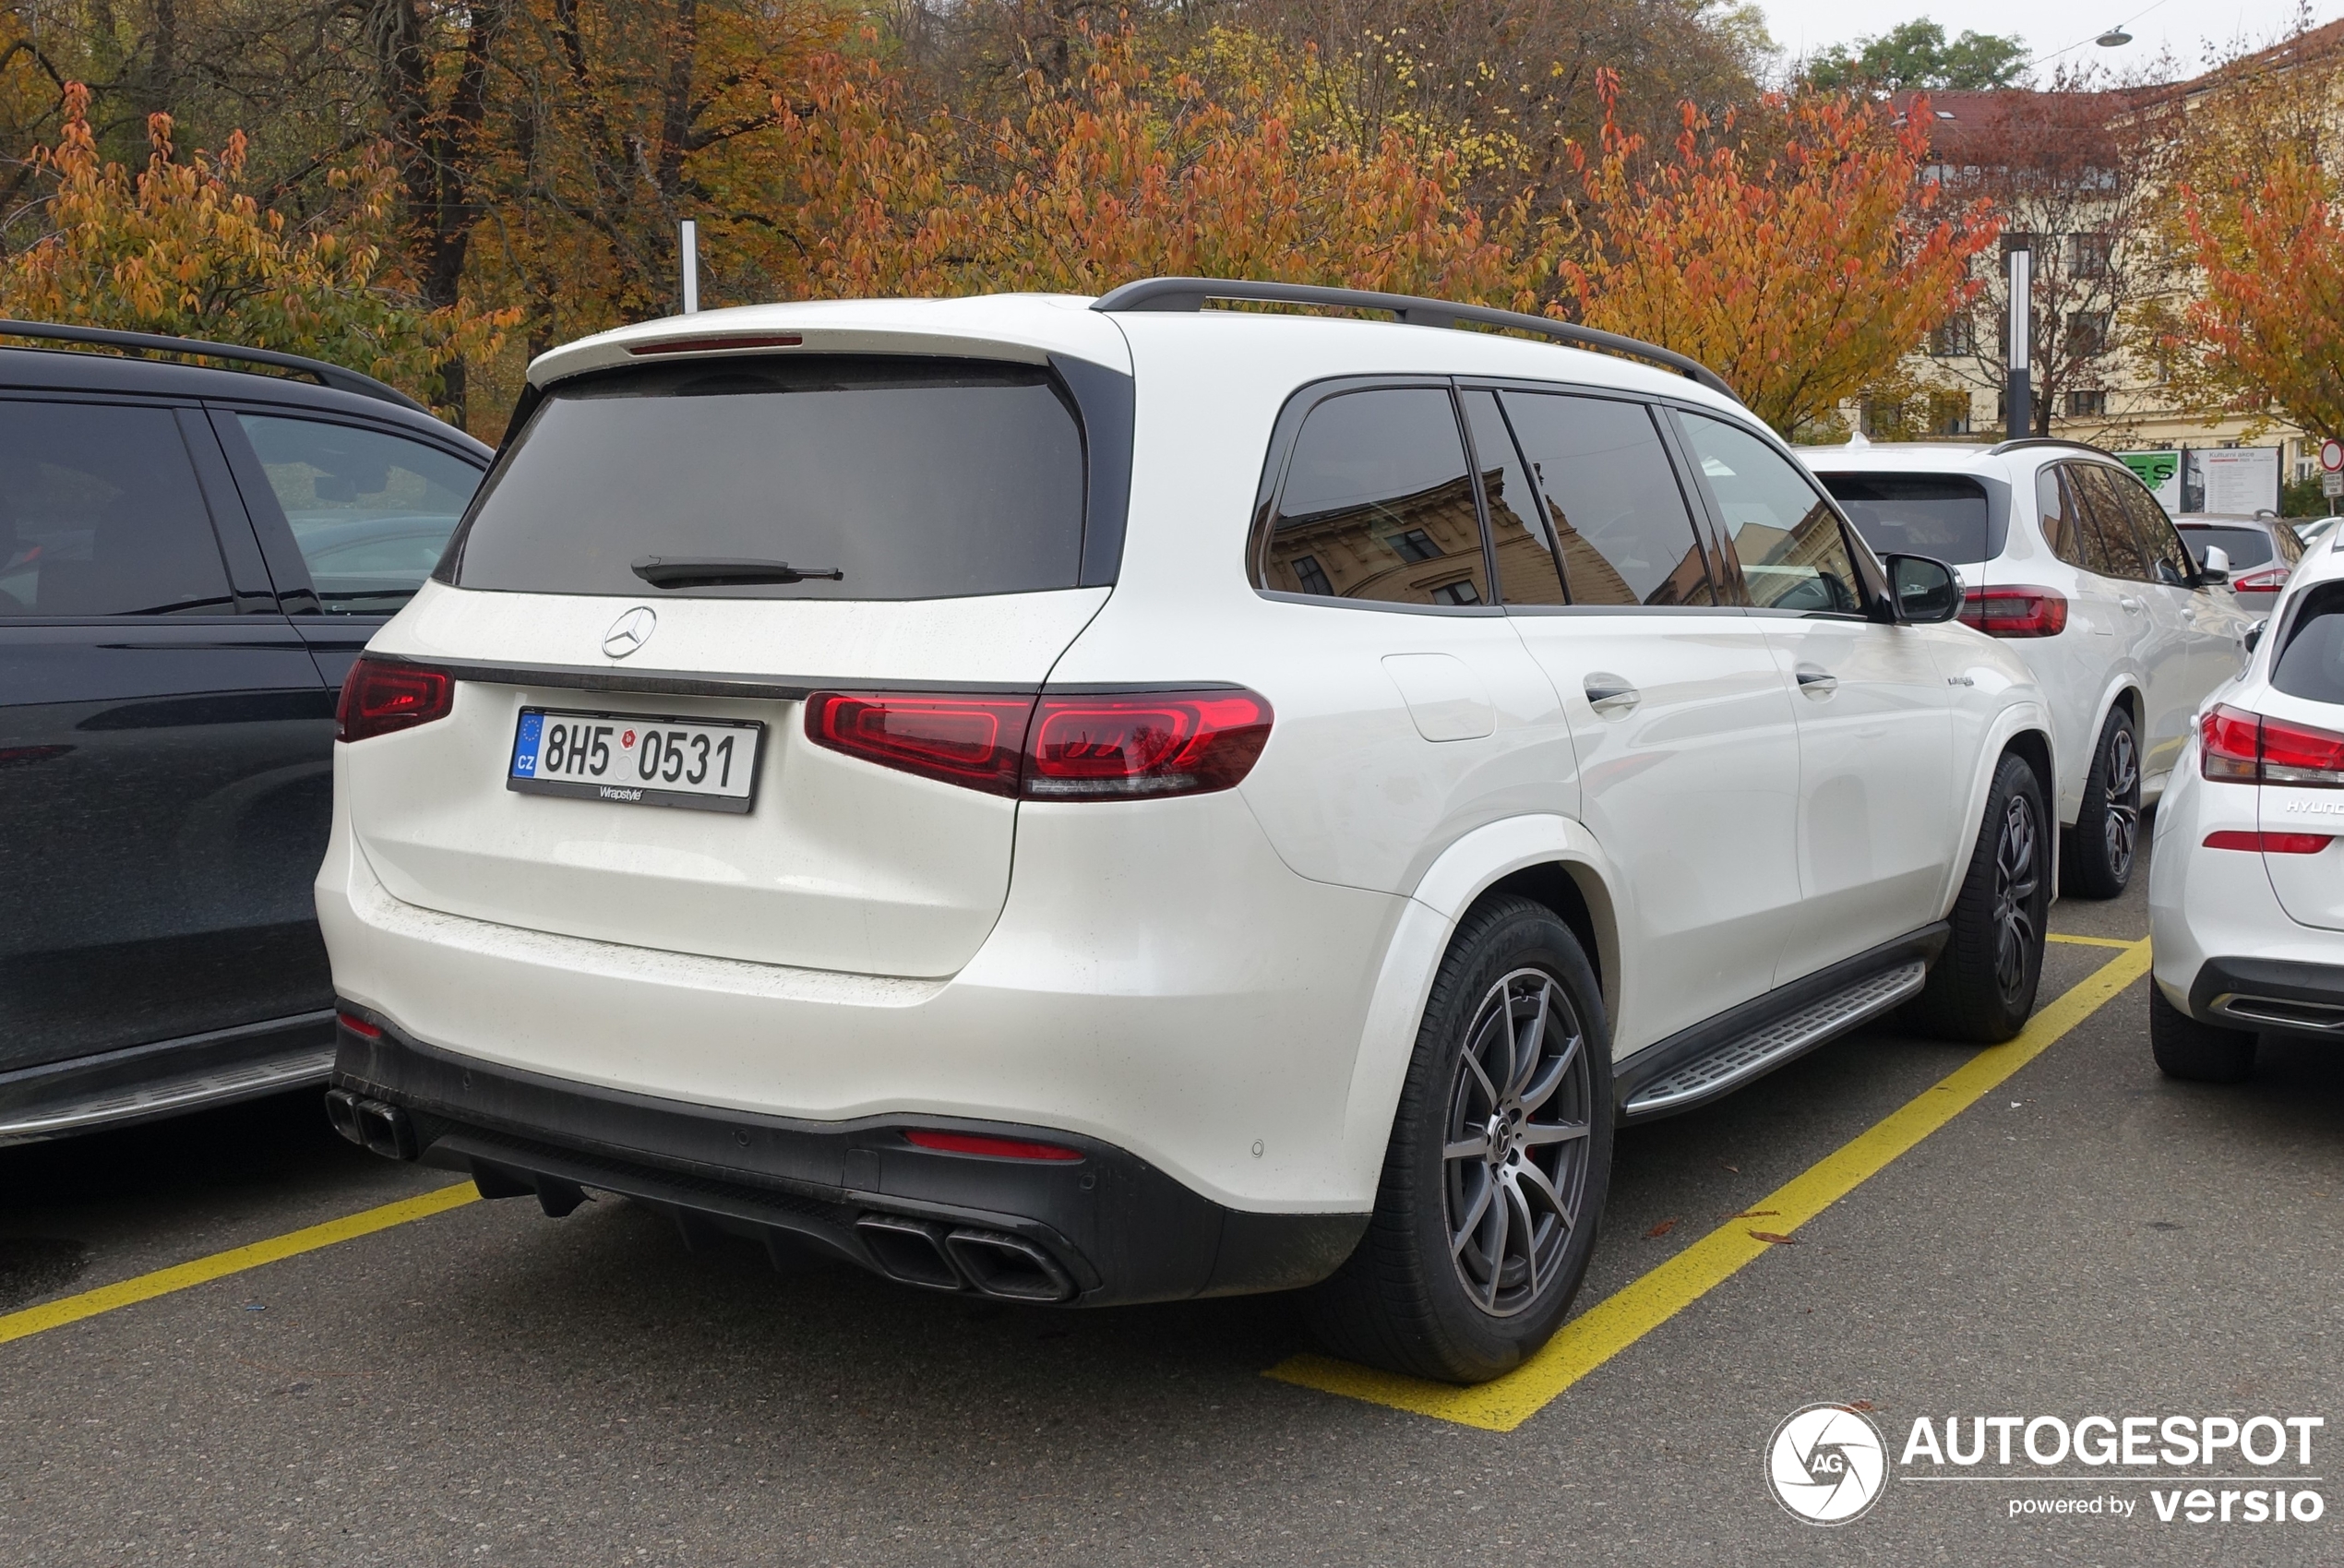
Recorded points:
(630,631)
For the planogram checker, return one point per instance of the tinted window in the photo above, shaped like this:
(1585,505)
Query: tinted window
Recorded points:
(1377,504)
(2109,543)
(371,512)
(2062,523)
(99,515)
(1784,532)
(1527,572)
(2244,546)
(2312,665)
(916,479)
(1918,514)
(2169,560)
(1619,520)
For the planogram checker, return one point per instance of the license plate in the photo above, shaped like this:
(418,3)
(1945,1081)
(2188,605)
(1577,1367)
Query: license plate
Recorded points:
(631,760)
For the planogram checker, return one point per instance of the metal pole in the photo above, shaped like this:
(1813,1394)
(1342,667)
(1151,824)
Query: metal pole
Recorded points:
(2019,402)
(687,253)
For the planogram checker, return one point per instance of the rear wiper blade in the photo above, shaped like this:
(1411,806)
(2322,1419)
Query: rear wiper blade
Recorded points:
(717,571)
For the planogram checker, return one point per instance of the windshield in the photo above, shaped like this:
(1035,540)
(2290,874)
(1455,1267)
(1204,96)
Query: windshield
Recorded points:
(906,478)
(1918,514)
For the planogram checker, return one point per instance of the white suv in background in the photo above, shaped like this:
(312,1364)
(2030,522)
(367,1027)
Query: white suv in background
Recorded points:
(2246,889)
(2063,552)
(1107,802)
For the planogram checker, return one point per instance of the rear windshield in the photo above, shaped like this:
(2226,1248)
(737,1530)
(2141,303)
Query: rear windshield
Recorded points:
(2312,665)
(1918,514)
(2246,547)
(912,479)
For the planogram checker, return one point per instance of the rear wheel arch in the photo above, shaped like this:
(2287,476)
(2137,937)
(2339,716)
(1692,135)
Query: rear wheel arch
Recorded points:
(1582,901)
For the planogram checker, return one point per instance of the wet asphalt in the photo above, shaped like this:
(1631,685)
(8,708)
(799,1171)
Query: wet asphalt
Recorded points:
(490,1386)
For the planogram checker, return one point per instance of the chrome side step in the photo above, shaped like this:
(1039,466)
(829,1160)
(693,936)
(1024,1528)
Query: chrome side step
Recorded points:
(1768,1046)
(171,1093)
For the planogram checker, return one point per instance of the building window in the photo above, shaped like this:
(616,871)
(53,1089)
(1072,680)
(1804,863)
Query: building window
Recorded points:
(2088,254)
(1458,593)
(2087,405)
(1313,577)
(1952,338)
(1949,414)
(2087,333)
(1414,545)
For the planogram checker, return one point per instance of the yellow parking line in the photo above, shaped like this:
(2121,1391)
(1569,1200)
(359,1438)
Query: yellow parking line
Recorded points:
(1614,1323)
(179,1276)
(2086,941)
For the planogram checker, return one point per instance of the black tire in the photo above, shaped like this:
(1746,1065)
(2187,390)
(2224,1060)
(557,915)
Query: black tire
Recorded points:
(1983,985)
(2105,844)
(2200,1052)
(1407,1300)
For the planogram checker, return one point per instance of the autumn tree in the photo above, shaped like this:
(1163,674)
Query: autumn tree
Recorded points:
(181,247)
(1794,248)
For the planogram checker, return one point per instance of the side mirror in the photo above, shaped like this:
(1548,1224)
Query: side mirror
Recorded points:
(2216,567)
(1926,589)
(2254,636)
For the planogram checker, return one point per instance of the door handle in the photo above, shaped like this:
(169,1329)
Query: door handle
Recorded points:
(1611,694)
(1816,683)
(2131,607)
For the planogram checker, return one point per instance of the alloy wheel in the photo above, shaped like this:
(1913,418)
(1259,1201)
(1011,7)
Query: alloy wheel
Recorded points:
(1516,1152)
(2014,883)
(2120,822)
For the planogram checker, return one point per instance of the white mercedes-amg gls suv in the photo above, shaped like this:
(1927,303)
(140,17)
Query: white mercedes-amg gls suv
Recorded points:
(1113,801)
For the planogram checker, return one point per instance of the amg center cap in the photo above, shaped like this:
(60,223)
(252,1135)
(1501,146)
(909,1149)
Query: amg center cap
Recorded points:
(630,631)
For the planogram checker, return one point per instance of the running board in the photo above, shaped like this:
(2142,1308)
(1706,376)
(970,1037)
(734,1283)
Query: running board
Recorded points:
(166,1077)
(1747,1055)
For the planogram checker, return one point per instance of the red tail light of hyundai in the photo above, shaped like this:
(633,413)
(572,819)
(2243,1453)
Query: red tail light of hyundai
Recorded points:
(2237,746)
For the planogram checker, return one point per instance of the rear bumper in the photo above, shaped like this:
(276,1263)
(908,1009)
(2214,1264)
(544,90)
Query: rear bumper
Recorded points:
(2270,993)
(1113,1228)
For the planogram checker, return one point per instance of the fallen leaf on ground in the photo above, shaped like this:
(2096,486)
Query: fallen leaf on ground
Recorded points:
(1735,1169)
(1758,1214)
(1663,1229)
(1860,1405)
(1777,1240)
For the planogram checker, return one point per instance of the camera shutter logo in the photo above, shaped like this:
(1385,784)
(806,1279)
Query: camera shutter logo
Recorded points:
(1827,1464)
(630,631)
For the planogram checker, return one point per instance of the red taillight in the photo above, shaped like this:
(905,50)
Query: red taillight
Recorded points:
(1159,742)
(999,1148)
(2237,746)
(2271,843)
(973,741)
(2015,611)
(358,1026)
(378,697)
(1057,748)
(2270,580)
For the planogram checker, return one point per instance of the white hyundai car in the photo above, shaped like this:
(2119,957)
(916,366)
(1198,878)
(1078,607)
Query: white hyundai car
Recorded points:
(1107,802)
(2065,555)
(2246,887)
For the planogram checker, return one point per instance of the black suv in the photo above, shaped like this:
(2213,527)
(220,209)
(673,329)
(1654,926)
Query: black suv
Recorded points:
(190,558)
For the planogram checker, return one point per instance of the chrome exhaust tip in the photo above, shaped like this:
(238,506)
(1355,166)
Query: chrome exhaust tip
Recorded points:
(1008,1266)
(909,1251)
(387,1131)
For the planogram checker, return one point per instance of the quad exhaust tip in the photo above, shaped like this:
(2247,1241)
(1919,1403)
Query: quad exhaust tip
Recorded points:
(382,1128)
(912,1252)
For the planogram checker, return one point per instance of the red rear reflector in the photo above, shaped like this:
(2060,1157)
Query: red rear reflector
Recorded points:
(358,1026)
(378,697)
(1118,747)
(2016,611)
(2237,746)
(2271,843)
(1001,1148)
(973,741)
(712,345)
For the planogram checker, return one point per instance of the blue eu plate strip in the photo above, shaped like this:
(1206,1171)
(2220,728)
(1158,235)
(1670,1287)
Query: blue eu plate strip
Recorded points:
(525,747)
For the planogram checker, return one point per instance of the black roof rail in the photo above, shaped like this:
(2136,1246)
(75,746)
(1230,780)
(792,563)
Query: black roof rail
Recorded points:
(333,376)
(1190,293)
(2024,441)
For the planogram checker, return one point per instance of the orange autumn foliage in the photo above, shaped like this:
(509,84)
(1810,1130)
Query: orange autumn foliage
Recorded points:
(2270,315)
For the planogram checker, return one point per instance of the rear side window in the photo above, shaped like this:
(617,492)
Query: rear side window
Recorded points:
(2169,559)
(1620,520)
(2109,543)
(1377,504)
(1786,535)
(2062,518)
(1918,514)
(910,479)
(2312,665)
(100,515)
(370,512)
(2244,546)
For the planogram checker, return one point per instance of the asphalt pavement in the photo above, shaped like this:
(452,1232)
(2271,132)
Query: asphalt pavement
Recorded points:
(488,1385)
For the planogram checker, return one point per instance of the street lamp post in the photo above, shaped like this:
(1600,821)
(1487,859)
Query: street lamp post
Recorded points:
(2018,403)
